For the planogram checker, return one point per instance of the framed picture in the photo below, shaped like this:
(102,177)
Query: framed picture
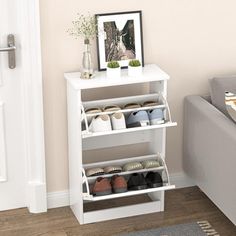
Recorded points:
(119,38)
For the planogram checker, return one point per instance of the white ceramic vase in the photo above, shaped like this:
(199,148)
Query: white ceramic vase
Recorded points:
(113,73)
(134,71)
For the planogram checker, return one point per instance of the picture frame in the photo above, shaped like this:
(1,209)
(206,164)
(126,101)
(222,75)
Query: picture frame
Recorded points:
(120,38)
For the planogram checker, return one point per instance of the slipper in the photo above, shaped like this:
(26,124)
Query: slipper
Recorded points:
(132,105)
(94,172)
(150,164)
(150,103)
(93,110)
(112,169)
(132,166)
(111,108)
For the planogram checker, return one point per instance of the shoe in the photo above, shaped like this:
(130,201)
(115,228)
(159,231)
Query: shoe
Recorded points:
(112,169)
(137,182)
(92,110)
(132,106)
(100,123)
(118,121)
(132,166)
(101,187)
(150,104)
(156,116)
(94,172)
(150,164)
(138,119)
(119,184)
(111,108)
(154,180)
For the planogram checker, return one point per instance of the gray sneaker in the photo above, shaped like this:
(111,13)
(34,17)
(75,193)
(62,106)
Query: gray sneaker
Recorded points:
(138,119)
(156,116)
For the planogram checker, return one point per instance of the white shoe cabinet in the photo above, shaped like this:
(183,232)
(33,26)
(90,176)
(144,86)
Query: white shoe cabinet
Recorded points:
(155,82)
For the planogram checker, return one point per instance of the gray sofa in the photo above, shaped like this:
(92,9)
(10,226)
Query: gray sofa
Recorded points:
(210,152)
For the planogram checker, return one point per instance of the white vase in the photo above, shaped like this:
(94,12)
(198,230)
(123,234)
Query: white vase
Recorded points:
(134,71)
(113,73)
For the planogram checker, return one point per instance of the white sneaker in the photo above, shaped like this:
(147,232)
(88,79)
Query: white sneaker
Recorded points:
(100,123)
(92,111)
(118,121)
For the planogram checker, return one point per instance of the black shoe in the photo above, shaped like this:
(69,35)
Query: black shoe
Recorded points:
(154,180)
(137,182)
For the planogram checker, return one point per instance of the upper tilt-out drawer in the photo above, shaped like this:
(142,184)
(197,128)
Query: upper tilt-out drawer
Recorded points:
(158,98)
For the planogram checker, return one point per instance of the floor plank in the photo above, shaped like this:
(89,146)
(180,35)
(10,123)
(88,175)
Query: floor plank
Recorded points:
(182,206)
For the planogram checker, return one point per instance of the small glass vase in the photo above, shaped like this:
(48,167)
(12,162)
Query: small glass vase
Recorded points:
(87,70)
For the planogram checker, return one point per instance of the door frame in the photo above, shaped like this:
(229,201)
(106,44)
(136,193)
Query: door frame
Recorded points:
(29,26)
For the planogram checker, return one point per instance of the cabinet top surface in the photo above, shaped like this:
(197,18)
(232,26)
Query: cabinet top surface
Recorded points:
(150,73)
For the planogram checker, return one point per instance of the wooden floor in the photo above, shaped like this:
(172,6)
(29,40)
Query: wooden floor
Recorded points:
(182,206)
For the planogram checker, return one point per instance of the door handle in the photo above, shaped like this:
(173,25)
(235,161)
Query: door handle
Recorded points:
(11,51)
(8,49)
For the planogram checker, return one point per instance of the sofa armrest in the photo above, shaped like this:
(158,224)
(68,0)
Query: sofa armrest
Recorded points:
(210,152)
(198,108)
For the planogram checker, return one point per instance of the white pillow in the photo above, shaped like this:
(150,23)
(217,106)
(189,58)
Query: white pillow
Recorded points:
(230,102)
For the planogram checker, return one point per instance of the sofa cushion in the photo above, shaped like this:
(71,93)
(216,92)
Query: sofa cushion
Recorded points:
(218,87)
(230,102)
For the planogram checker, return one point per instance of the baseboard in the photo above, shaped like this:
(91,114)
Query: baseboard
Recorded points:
(61,198)
(58,199)
(181,180)
(37,197)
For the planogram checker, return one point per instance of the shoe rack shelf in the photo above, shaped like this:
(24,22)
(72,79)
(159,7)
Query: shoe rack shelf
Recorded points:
(120,101)
(163,104)
(128,130)
(121,162)
(162,168)
(81,140)
(129,193)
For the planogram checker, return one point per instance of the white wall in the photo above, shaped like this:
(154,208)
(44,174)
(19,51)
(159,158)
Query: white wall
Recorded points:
(192,40)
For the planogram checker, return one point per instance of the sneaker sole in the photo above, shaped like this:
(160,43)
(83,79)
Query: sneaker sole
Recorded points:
(102,193)
(138,124)
(114,172)
(157,122)
(141,187)
(155,185)
(120,190)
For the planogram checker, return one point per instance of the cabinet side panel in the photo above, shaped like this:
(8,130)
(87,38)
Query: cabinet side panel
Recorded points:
(158,138)
(75,153)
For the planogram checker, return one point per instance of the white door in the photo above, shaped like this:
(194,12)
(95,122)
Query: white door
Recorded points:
(12,140)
